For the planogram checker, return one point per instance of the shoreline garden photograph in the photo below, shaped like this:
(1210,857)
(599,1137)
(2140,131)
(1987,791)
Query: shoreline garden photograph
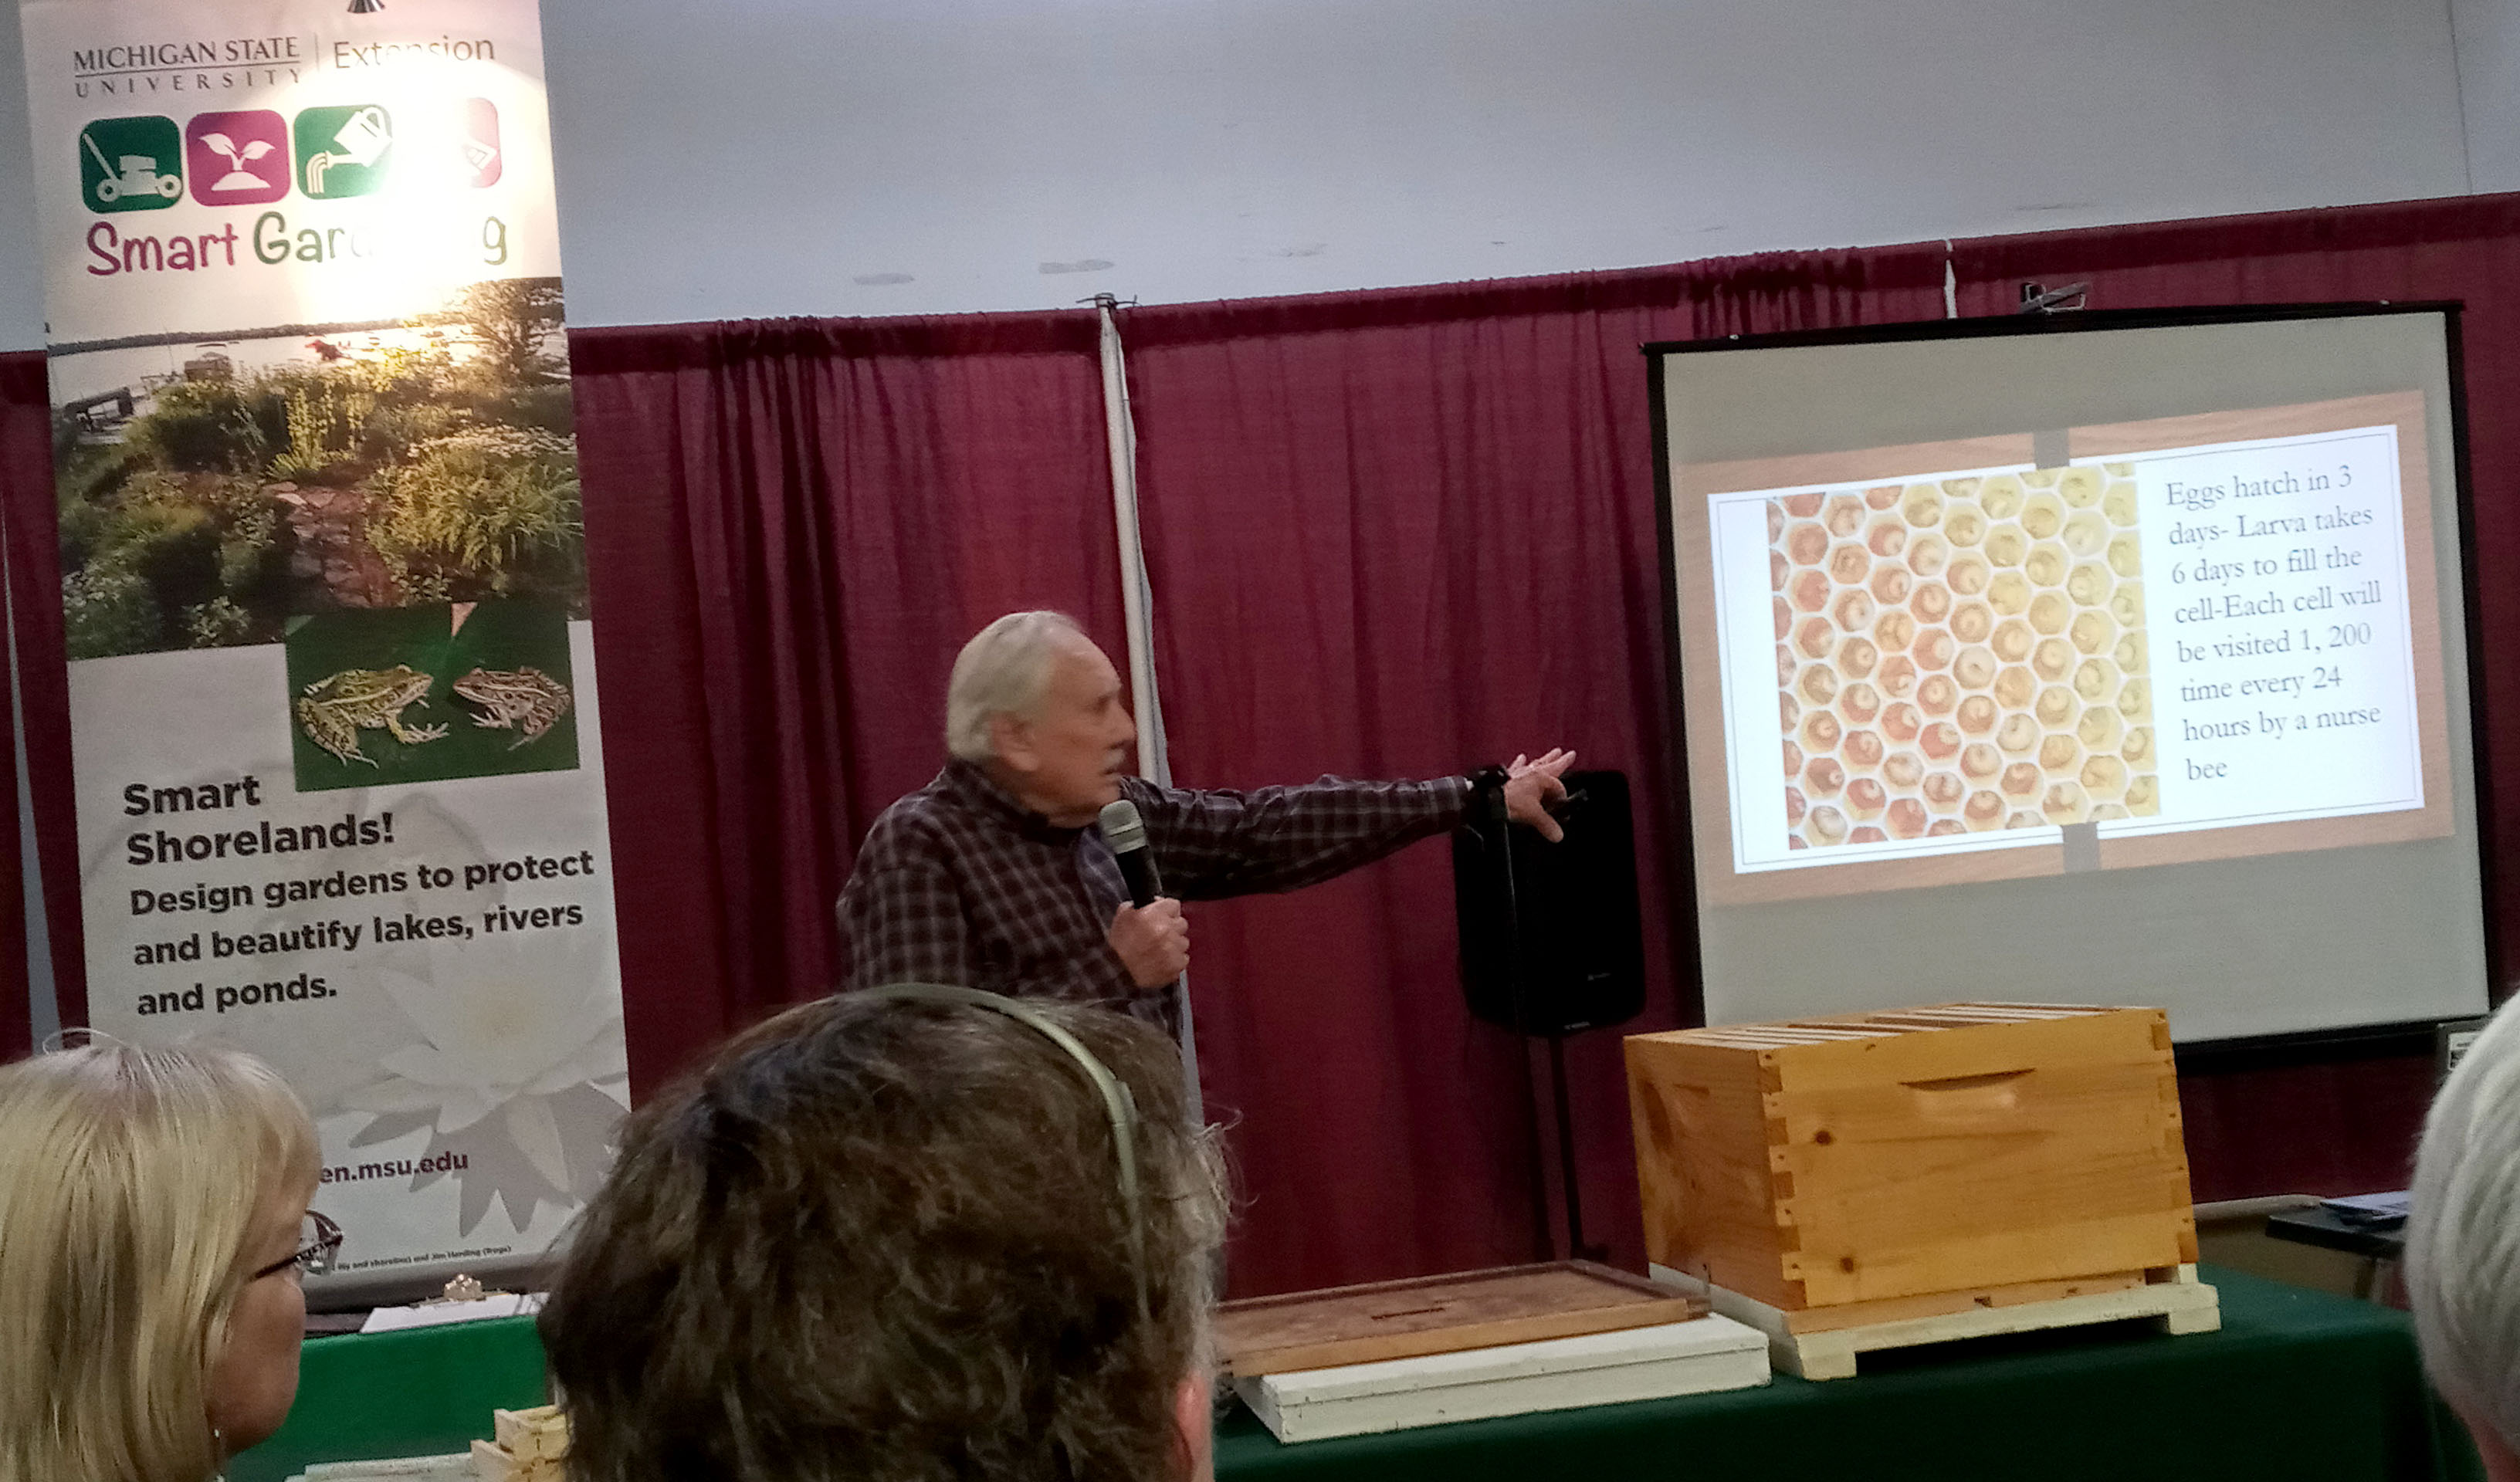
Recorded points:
(433,464)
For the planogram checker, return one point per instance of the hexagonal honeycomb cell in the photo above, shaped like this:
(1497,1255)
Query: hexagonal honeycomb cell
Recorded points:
(1962,655)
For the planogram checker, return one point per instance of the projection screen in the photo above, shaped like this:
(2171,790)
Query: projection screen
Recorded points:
(2114,658)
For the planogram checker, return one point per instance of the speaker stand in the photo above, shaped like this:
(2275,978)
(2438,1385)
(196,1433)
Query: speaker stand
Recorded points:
(1576,1248)
(1543,1244)
(1543,1241)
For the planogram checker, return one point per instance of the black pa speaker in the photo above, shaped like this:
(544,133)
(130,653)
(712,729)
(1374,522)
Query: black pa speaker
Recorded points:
(1581,950)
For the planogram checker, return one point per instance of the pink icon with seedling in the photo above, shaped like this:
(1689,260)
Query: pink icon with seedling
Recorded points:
(238,159)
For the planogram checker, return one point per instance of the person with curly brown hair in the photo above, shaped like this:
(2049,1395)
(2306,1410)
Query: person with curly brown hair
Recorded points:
(913,1233)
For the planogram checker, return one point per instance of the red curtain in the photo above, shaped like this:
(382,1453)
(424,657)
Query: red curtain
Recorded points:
(25,491)
(1403,534)
(791,529)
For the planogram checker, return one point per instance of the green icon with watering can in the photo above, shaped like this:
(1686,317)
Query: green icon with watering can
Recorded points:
(131,164)
(343,152)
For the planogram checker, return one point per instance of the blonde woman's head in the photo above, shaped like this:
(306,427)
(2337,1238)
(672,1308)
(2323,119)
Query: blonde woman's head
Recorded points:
(2463,1267)
(141,1191)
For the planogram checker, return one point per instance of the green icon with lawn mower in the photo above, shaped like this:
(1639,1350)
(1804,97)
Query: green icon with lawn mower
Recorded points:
(131,164)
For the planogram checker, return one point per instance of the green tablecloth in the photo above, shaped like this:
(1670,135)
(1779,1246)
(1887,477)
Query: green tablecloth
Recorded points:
(423,1391)
(2297,1383)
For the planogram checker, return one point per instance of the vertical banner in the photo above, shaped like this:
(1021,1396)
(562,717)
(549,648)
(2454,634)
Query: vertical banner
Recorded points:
(340,793)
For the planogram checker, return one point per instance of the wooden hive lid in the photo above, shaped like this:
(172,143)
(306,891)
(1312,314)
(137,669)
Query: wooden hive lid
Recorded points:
(1884,1025)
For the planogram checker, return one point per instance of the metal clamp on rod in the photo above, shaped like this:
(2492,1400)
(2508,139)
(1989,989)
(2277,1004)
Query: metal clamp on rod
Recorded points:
(2038,298)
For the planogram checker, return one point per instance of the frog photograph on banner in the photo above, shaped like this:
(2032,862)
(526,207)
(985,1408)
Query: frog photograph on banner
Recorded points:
(473,690)
(333,711)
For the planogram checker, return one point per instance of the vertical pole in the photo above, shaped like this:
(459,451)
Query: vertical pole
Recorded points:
(1137,607)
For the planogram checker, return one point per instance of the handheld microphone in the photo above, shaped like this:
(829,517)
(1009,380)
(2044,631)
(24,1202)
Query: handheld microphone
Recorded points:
(1126,834)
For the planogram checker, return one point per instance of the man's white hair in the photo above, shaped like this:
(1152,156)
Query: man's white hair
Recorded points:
(1004,670)
(2462,1268)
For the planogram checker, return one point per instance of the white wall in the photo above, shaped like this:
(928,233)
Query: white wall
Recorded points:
(2489,77)
(886,157)
(21,287)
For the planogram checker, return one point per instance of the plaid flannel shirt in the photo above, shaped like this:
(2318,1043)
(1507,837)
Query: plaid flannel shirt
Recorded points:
(959,884)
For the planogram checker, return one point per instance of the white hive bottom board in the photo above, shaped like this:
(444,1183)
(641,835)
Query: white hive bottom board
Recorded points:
(457,1467)
(1698,1357)
(2176,1301)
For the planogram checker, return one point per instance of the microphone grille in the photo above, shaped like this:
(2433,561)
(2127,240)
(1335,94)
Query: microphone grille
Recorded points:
(1122,828)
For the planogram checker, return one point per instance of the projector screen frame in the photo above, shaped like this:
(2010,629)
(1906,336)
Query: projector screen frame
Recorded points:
(2410,1036)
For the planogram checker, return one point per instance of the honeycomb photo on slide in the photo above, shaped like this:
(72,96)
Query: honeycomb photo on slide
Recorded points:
(1962,655)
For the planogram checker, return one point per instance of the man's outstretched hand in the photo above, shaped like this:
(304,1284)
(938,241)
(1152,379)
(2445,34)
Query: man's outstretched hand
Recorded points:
(1531,786)
(1152,941)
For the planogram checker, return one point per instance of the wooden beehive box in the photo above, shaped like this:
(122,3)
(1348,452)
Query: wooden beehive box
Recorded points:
(1871,1157)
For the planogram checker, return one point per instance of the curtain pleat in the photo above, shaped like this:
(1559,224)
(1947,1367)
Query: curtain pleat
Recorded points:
(25,503)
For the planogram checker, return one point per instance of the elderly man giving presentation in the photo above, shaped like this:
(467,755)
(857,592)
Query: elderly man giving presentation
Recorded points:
(995,875)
